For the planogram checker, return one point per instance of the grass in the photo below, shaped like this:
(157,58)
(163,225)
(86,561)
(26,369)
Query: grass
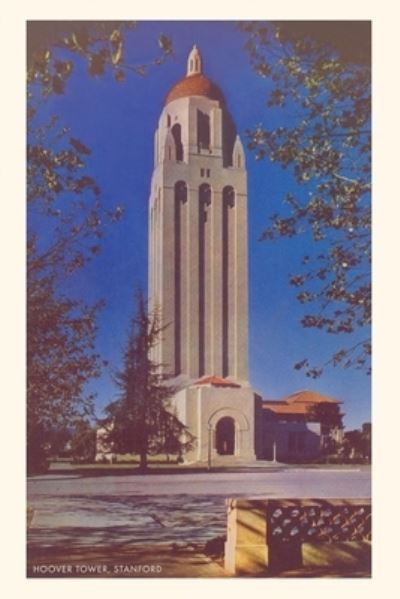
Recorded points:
(158,467)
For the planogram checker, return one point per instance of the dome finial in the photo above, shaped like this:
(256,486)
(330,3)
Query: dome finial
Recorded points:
(194,63)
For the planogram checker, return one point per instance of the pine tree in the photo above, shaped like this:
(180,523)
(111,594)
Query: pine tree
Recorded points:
(142,420)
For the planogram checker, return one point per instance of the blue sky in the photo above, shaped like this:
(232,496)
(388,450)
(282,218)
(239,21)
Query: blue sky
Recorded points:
(117,121)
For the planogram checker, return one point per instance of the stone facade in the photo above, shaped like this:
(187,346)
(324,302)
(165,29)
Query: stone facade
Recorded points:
(198,237)
(221,419)
(198,264)
(276,535)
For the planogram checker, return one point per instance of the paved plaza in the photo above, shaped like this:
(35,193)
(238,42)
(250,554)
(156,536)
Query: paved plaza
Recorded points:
(78,515)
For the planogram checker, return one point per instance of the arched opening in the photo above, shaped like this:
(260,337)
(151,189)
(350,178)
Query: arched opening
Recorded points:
(228,197)
(228,138)
(203,130)
(225,436)
(205,195)
(180,198)
(228,194)
(204,202)
(181,191)
(177,133)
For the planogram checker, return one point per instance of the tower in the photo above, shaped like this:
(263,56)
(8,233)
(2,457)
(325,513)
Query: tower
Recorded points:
(198,261)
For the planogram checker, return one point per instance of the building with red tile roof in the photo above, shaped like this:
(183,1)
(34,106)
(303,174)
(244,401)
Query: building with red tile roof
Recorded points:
(298,403)
(289,429)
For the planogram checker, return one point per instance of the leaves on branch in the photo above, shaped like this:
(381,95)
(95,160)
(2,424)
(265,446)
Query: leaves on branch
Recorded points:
(321,77)
(102,45)
(165,44)
(330,418)
(79,146)
(97,62)
(60,360)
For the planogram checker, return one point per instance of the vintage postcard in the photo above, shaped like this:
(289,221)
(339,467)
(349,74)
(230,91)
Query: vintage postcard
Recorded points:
(198,299)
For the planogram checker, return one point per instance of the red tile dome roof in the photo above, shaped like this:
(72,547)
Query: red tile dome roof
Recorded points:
(195,85)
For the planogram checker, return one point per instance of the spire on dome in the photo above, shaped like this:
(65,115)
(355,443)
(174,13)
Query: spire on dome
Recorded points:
(194,63)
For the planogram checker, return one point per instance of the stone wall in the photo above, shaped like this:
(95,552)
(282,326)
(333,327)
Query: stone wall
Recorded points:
(279,535)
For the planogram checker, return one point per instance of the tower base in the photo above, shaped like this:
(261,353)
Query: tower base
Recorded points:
(222,420)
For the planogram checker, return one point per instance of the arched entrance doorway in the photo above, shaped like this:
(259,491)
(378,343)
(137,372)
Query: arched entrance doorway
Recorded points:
(225,436)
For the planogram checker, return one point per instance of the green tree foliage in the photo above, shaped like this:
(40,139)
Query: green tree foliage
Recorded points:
(328,414)
(330,418)
(358,443)
(60,360)
(57,441)
(319,95)
(83,442)
(59,188)
(53,45)
(66,220)
(141,420)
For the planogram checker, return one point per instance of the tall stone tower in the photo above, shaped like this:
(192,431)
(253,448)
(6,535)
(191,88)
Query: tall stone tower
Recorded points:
(198,263)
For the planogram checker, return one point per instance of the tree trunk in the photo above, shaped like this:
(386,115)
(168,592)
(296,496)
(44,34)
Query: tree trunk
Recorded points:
(143,460)
(143,452)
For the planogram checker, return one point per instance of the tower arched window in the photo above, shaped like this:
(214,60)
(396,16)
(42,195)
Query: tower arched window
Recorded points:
(204,202)
(205,195)
(203,130)
(228,194)
(177,133)
(228,202)
(181,191)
